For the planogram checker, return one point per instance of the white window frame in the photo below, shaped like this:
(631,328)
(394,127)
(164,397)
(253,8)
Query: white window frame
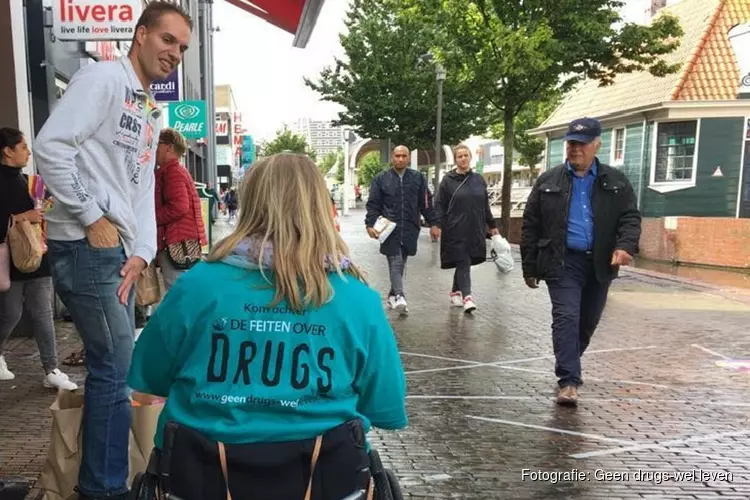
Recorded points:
(612,161)
(671,186)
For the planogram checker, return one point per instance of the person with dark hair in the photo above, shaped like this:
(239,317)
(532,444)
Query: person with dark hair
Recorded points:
(96,153)
(178,208)
(30,291)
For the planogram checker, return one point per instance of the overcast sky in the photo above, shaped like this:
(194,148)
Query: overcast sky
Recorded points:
(266,72)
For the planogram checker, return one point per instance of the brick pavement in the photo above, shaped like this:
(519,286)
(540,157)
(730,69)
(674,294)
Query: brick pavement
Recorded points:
(481,390)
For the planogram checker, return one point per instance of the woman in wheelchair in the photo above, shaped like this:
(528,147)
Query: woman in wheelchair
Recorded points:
(275,357)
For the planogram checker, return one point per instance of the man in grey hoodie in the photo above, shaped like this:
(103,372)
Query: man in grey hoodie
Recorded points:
(96,154)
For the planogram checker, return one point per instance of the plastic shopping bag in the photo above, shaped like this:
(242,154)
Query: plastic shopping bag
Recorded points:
(384,227)
(501,254)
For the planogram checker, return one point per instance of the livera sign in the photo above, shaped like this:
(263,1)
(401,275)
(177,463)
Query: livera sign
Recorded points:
(95,19)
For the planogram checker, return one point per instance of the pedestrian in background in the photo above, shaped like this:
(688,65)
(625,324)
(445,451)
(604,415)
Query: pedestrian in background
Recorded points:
(463,208)
(179,219)
(33,291)
(581,223)
(400,194)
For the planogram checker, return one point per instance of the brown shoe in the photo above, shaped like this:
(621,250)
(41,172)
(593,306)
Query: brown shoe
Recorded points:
(568,396)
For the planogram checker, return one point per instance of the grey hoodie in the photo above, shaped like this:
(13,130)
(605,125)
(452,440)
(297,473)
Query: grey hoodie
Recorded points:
(96,154)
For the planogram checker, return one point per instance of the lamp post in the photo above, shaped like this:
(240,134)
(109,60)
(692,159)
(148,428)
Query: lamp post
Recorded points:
(440,77)
(349,138)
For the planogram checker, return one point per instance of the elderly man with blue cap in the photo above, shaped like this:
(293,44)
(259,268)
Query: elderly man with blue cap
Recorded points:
(581,223)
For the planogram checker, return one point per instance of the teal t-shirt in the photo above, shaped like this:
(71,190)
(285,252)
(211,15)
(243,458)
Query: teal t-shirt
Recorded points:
(240,371)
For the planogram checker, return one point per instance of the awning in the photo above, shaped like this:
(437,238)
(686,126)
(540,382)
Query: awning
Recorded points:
(294,16)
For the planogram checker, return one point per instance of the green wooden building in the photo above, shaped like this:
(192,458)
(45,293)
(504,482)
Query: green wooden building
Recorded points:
(682,140)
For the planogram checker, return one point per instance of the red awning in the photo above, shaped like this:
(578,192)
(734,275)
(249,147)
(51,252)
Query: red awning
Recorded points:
(294,16)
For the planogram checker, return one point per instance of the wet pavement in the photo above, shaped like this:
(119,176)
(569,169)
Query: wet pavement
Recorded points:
(659,399)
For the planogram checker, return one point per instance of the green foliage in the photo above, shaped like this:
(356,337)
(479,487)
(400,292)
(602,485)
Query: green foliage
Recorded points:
(287,141)
(329,160)
(385,89)
(517,52)
(369,167)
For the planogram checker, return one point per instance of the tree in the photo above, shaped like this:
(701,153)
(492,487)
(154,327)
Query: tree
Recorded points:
(328,161)
(530,149)
(288,141)
(369,167)
(514,53)
(387,92)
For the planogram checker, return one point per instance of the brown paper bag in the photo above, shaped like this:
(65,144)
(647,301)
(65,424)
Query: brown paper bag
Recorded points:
(60,474)
(146,411)
(148,290)
(26,248)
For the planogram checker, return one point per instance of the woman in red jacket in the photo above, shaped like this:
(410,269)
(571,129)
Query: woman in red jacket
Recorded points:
(178,208)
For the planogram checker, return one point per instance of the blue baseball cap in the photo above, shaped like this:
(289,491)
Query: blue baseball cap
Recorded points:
(583,130)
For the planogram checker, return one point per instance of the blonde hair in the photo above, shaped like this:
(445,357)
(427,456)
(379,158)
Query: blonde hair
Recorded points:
(284,200)
(459,147)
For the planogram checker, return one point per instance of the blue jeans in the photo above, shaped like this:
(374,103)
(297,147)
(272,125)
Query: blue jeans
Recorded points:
(578,300)
(86,279)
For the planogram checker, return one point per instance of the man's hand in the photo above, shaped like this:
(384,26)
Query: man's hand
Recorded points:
(373,234)
(130,273)
(494,232)
(33,216)
(102,234)
(435,233)
(621,258)
(532,282)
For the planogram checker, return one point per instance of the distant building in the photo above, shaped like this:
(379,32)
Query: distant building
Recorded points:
(321,135)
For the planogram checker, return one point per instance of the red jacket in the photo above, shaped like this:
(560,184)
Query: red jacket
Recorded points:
(178,208)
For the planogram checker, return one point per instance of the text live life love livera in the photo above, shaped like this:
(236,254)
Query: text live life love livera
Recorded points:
(100,18)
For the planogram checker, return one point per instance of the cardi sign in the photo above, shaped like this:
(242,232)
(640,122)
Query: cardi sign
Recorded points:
(94,19)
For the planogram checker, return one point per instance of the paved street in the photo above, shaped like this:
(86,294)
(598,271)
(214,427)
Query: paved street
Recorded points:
(481,391)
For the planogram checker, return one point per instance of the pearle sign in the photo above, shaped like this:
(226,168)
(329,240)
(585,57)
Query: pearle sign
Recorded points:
(95,19)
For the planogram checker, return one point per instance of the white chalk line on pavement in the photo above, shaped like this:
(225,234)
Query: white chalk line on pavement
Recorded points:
(709,351)
(663,446)
(430,356)
(729,404)
(451,396)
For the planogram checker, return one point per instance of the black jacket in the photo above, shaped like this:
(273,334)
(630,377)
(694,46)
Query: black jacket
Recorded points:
(617,222)
(400,200)
(14,200)
(463,207)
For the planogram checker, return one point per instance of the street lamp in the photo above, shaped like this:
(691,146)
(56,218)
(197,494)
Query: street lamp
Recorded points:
(440,74)
(440,77)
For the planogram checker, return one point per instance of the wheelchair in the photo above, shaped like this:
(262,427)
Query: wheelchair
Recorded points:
(154,483)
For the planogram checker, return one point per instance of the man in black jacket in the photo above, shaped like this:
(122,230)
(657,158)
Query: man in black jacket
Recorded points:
(581,223)
(400,194)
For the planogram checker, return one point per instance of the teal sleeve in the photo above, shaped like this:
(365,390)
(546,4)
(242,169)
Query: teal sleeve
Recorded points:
(153,367)
(381,383)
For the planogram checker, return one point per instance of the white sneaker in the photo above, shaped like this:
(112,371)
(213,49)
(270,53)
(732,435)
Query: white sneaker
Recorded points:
(469,304)
(5,374)
(401,305)
(392,301)
(457,299)
(59,380)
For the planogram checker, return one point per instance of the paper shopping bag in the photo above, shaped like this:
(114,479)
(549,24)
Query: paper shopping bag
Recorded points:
(60,473)
(146,411)
(148,290)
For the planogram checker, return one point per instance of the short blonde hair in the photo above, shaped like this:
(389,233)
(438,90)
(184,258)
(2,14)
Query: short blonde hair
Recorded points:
(459,147)
(284,200)
(175,139)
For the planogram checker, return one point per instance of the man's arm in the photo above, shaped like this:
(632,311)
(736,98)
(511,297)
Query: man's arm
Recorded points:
(629,225)
(87,102)
(144,206)
(426,205)
(530,233)
(374,203)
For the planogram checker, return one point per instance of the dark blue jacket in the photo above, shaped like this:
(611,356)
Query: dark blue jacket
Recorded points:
(400,200)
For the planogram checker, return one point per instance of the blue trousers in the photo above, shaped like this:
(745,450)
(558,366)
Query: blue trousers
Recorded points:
(578,300)
(86,279)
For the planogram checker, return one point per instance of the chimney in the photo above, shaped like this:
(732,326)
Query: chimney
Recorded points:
(656,5)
